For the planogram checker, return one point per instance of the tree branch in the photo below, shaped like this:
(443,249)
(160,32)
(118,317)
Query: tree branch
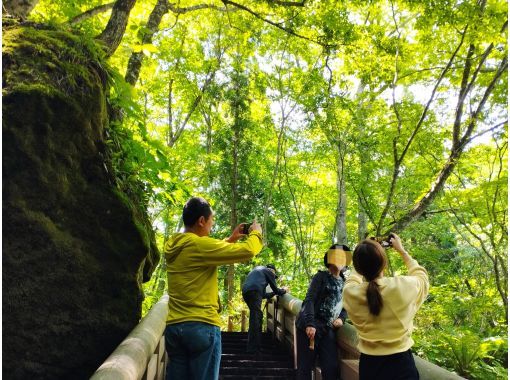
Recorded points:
(427,106)
(285,29)
(502,68)
(170,134)
(459,111)
(497,126)
(91,13)
(288,3)
(116,26)
(182,10)
(396,161)
(455,154)
(209,77)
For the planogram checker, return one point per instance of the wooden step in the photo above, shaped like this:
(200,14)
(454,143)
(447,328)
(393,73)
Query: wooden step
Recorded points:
(273,362)
(249,377)
(264,356)
(256,371)
(236,362)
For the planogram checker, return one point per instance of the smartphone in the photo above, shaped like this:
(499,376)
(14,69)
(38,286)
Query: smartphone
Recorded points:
(245,228)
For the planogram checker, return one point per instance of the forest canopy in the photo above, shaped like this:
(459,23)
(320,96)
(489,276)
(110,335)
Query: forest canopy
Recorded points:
(327,121)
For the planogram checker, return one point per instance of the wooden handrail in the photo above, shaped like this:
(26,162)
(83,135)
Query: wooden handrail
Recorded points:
(283,327)
(142,353)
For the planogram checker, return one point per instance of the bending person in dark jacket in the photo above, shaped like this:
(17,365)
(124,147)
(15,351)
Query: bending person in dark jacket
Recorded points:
(322,312)
(254,289)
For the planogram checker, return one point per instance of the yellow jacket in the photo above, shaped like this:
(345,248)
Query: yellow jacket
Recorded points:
(191,263)
(390,331)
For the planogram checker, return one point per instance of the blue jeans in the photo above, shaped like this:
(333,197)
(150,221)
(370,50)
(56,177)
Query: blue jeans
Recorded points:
(194,351)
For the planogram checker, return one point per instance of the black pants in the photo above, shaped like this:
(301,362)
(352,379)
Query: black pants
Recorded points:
(399,366)
(254,301)
(325,347)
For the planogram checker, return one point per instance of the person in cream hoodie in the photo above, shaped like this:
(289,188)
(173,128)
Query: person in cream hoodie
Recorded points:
(382,310)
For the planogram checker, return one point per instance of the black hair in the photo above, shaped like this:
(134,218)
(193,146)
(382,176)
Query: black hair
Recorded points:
(194,209)
(335,246)
(369,260)
(271,266)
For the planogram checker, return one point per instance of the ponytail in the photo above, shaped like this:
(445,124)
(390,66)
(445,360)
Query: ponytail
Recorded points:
(369,260)
(375,302)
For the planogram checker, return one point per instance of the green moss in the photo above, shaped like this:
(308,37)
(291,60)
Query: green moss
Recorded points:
(138,219)
(76,243)
(54,61)
(50,70)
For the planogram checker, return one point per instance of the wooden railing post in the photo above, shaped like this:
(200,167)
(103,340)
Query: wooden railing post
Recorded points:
(294,348)
(243,320)
(275,318)
(271,306)
(282,323)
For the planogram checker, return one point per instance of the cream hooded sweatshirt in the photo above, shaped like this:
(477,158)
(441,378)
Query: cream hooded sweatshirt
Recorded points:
(390,331)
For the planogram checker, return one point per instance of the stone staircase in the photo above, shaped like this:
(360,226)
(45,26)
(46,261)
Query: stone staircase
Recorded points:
(274,362)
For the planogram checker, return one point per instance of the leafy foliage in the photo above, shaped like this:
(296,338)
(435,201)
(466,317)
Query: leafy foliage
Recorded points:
(265,107)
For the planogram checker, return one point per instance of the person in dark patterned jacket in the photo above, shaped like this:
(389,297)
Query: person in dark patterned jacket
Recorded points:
(321,313)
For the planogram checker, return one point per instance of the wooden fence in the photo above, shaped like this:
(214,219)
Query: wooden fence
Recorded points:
(281,317)
(142,354)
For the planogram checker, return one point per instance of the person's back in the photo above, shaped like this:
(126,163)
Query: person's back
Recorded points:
(382,311)
(390,331)
(254,290)
(257,279)
(193,277)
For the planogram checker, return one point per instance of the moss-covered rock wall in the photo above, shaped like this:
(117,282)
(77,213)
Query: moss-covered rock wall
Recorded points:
(75,248)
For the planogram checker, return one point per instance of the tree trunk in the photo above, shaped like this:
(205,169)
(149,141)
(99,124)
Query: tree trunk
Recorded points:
(136,59)
(295,224)
(459,142)
(341,210)
(208,148)
(362,212)
(114,30)
(269,196)
(455,153)
(362,220)
(427,199)
(19,8)
(233,199)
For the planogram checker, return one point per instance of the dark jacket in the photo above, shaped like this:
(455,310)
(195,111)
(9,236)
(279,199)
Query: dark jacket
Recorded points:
(315,296)
(258,279)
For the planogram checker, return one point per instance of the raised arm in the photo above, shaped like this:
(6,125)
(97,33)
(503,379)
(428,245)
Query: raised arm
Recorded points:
(414,269)
(220,252)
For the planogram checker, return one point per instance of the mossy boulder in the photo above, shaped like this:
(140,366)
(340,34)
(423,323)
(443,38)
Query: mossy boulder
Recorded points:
(75,247)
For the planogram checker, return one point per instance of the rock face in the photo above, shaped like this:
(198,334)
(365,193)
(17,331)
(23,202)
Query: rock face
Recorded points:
(19,8)
(75,248)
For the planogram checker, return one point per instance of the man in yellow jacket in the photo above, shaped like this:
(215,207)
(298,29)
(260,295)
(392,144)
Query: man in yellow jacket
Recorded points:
(192,334)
